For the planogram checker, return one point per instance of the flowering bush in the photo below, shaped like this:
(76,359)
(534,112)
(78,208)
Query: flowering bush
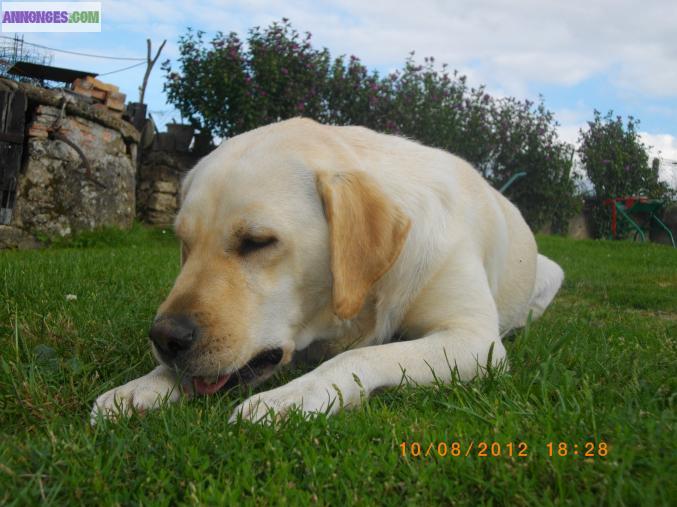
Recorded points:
(617,164)
(616,160)
(228,88)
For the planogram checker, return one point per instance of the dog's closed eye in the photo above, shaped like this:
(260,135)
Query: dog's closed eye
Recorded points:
(251,244)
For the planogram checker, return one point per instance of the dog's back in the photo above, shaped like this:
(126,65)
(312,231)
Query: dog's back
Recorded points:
(437,189)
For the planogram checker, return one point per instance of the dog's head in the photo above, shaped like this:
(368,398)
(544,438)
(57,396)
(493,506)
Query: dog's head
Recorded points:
(277,226)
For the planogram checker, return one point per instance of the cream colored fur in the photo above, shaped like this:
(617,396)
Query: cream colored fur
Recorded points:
(378,235)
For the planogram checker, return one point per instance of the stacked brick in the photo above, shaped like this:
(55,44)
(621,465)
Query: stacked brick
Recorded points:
(103,95)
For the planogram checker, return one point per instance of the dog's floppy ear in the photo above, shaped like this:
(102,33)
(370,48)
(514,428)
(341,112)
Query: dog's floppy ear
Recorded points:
(366,233)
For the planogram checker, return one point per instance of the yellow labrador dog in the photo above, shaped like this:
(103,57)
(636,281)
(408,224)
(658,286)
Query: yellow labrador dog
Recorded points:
(298,233)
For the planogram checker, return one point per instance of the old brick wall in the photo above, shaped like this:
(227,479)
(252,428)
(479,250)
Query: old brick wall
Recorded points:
(78,170)
(56,196)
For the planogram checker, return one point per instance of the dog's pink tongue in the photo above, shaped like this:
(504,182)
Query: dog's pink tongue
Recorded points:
(203,387)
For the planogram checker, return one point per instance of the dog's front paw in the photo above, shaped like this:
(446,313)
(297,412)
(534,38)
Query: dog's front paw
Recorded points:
(144,393)
(310,398)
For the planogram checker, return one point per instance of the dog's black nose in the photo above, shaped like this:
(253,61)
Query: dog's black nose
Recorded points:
(173,335)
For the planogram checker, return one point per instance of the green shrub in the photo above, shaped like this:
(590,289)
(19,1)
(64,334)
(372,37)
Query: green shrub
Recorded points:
(617,163)
(227,87)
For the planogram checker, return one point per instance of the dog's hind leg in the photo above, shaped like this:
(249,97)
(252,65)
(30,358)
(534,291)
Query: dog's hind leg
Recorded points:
(549,276)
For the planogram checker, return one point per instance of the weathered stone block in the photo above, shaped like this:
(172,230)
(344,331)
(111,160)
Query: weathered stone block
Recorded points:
(13,237)
(160,217)
(162,202)
(167,187)
(579,228)
(158,184)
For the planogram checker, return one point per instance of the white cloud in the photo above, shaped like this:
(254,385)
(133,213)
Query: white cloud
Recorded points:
(512,45)
(662,145)
(570,133)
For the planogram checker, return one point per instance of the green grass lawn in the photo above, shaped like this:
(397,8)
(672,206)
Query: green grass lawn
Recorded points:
(600,366)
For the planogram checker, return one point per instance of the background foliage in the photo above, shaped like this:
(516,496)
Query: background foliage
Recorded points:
(617,163)
(227,87)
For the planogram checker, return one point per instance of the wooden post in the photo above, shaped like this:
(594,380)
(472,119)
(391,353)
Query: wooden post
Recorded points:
(149,66)
(12,115)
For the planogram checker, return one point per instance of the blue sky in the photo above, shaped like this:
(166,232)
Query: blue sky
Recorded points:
(582,55)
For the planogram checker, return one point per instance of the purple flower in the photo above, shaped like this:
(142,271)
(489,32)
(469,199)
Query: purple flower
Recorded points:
(284,71)
(605,161)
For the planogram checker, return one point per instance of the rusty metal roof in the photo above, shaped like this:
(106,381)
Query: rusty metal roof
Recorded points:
(48,72)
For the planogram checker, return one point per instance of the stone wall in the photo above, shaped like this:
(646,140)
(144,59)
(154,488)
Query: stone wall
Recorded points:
(158,185)
(59,192)
(56,196)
